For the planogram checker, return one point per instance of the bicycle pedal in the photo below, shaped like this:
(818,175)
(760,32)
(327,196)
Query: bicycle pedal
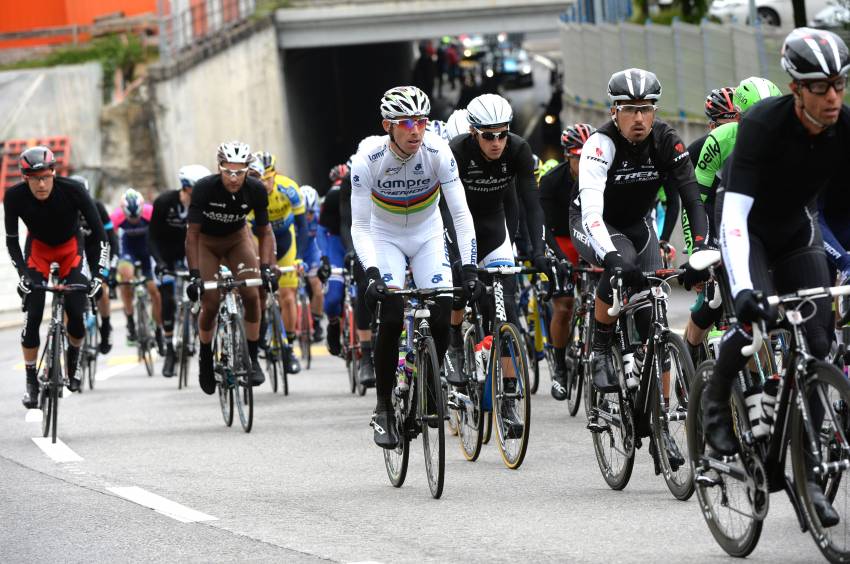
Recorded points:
(705,481)
(596,427)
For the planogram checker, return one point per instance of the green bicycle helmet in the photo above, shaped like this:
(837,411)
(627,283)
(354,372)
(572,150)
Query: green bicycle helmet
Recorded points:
(753,90)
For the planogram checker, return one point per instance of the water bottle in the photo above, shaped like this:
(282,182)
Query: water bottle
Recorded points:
(482,350)
(754,413)
(633,372)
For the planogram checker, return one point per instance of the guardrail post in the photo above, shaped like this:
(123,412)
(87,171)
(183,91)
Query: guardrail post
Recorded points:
(163,32)
(678,66)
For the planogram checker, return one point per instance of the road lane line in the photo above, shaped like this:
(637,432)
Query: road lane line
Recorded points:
(58,451)
(114,371)
(161,505)
(33,416)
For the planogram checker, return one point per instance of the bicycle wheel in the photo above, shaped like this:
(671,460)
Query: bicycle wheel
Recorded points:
(724,500)
(242,368)
(222,374)
(578,350)
(305,338)
(46,402)
(395,460)
(670,419)
(511,407)
(183,337)
(274,352)
(56,383)
(432,413)
(471,413)
(144,337)
(614,440)
(531,354)
(829,393)
(95,346)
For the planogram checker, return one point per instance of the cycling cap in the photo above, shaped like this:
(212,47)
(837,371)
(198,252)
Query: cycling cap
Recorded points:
(36,159)
(719,104)
(132,203)
(574,137)
(813,54)
(489,110)
(752,90)
(81,179)
(457,123)
(188,175)
(633,84)
(234,152)
(403,101)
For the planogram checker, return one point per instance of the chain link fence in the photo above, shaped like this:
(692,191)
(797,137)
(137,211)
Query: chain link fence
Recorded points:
(192,22)
(689,60)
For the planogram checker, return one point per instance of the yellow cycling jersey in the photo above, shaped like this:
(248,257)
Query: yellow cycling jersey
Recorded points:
(285,202)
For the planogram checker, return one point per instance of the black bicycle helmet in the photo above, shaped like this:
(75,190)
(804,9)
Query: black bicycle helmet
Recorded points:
(719,104)
(36,159)
(633,84)
(814,54)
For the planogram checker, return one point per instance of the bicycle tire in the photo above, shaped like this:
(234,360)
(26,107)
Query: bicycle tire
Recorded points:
(242,368)
(142,336)
(531,353)
(825,374)
(512,449)
(57,380)
(431,399)
(225,390)
(396,460)
(305,338)
(471,416)
(46,404)
(743,543)
(274,352)
(182,349)
(680,481)
(616,459)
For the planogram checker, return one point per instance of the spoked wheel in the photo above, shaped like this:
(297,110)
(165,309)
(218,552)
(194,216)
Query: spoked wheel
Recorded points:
(470,416)
(725,501)
(531,355)
(274,352)
(614,437)
(432,414)
(451,420)
(575,378)
(244,392)
(829,394)
(511,395)
(668,420)
(225,398)
(396,459)
(147,356)
(349,350)
(47,399)
(222,374)
(305,338)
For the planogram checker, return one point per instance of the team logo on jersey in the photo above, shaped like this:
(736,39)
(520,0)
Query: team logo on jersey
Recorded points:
(471,163)
(679,148)
(504,168)
(418,169)
(218,204)
(625,164)
(392,170)
(599,152)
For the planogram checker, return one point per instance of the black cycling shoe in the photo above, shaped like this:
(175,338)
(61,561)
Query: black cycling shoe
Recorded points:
(105,344)
(168,363)
(366,377)
(384,425)
(827,515)
(674,455)
(454,366)
(30,399)
(131,335)
(290,361)
(559,384)
(257,377)
(318,332)
(206,376)
(160,342)
(334,346)
(74,383)
(604,377)
(717,425)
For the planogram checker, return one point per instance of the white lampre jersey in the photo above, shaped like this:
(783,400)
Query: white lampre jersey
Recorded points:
(401,198)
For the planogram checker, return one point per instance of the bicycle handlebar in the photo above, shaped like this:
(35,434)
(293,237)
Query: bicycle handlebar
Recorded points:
(230,283)
(62,288)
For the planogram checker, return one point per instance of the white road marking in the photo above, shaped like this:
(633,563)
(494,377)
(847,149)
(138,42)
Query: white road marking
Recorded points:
(113,371)
(33,416)
(58,451)
(161,505)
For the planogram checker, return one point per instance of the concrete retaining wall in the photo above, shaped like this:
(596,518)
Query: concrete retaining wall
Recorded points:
(235,94)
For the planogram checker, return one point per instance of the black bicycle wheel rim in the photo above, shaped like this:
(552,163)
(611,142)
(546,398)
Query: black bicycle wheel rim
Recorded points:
(242,367)
(471,417)
(430,399)
(46,403)
(183,348)
(615,449)
(512,449)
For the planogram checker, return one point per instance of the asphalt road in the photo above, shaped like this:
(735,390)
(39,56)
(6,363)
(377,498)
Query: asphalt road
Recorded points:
(308,484)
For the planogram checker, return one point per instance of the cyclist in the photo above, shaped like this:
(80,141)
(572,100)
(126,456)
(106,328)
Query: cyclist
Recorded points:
(289,227)
(622,165)
(496,167)
(216,235)
(132,221)
(311,257)
(457,123)
(556,186)
(168,247)
(92,250)
(719,109)
(330,219)
(50,205)
(717,148)
(396,186)
(791,147)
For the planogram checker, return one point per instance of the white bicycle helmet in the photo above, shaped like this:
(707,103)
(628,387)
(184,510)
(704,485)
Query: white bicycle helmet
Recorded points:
(489,110)
(438,127)
(188,175)
(367,141)
(235,152)
(132,203)
(404,101)
(457,123)
(82,180)
(311,197)
(256,167)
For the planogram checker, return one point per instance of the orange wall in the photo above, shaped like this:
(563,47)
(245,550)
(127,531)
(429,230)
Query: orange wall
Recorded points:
(53,13)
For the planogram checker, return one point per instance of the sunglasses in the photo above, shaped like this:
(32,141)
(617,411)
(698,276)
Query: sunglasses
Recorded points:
(232,173)
(410,123)
(821,87)
(492,136)
(632,109)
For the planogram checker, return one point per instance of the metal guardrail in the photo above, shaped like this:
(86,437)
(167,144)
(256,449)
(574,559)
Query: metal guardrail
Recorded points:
(184,28)
(140,23)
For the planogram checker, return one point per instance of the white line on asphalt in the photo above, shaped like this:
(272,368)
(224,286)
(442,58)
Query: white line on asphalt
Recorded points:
(114,371)
(58,451)
(161,505)
(33,416)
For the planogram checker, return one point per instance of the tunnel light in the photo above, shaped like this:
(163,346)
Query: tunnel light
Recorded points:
(467,53)
(549,119)
(526,69)
(489,73)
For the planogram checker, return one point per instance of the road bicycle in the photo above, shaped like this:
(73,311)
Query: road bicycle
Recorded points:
(90,348)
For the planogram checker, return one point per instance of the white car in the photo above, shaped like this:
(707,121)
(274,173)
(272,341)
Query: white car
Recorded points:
(778,13)
(831,17)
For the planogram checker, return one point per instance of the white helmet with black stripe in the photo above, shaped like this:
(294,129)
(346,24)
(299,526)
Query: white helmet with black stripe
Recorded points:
(633,84)
(489,110)
(404,101)
(814,54)
(457,123)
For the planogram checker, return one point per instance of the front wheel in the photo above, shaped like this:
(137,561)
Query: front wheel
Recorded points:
(395,460)
(470,414)
(511,395)
(242,372)
(305,334)
(431,415)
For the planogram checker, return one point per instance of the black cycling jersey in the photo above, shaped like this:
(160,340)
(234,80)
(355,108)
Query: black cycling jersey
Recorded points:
(329,214)
(167,231)
(630,175)
(53,221)
(556,187)
(90,240)
(221,213)
(488,190)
